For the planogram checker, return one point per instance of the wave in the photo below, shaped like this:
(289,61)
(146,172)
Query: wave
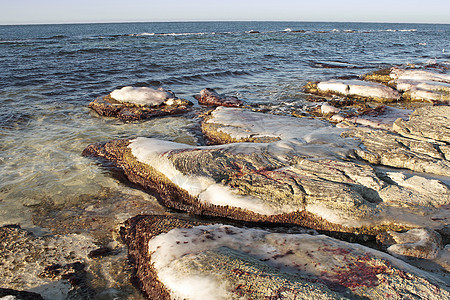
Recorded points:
(333,65)
(205,76)
(86,51)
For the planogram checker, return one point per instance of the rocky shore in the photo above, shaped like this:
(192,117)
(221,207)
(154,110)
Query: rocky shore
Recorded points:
(261,168)
(348,200)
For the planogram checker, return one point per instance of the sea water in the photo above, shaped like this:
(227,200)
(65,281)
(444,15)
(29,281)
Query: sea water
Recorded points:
(49,74)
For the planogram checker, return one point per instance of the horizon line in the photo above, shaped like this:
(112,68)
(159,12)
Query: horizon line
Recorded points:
(211,21)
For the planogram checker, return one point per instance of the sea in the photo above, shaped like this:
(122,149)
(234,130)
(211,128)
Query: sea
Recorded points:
(50,73)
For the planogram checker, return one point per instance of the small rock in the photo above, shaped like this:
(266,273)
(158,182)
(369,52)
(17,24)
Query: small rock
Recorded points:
(211,97)
(133,104)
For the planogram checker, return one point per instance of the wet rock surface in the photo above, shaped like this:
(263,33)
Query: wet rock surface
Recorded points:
(386,148)
(27,260)
(139,105)
(211,97)
(62,266)
(173,257)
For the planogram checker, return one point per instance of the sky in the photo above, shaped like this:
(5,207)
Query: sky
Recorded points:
(87,11)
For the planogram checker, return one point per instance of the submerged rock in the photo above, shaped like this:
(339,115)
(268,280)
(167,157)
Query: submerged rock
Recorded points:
(381,117)
(10,294)
(211,97)
(296,171)
(354,88)
(177,259)
(132,103)
(27,262)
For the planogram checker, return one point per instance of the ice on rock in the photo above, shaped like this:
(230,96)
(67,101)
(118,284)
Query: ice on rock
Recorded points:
(310,266)
(359,88)
(142,95)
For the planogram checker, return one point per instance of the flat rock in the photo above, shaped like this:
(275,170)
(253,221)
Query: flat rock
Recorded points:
(427,123)
(211,97)
(301,175)
(131,103)
(355,88)
(177,259)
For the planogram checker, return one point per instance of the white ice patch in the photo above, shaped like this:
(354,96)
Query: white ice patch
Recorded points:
(241,123)
(302,136)
(192,287)
(358,88)
(141,95)
(329,109)
(152,152)
(219,194)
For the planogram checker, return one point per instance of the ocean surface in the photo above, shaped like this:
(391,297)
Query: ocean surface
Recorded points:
(49,74)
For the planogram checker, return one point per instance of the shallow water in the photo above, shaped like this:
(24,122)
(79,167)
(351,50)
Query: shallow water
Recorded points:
(49,73)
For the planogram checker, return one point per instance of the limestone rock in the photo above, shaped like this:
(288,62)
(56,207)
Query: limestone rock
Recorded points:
(297,170)
(380,117)
(432,122)
(180,259)
(418,243)
(211,97)
(429,91)
(130,104)
(389,149)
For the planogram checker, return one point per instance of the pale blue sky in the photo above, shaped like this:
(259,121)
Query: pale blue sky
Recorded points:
(75,11)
